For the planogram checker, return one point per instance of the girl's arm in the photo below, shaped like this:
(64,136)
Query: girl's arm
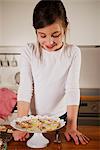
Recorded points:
(23,108)
(72,112)
(24,91)
(71,127)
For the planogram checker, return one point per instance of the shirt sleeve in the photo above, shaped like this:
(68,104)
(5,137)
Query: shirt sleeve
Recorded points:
(25,87)
(72,91)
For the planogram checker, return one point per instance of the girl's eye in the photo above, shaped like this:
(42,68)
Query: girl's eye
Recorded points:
(57,35)
(54,36)
(43,36)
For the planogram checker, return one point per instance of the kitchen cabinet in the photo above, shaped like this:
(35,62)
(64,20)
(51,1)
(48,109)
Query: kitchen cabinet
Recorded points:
(89,110)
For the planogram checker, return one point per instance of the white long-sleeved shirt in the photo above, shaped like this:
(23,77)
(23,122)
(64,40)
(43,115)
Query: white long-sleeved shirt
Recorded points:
(55,77)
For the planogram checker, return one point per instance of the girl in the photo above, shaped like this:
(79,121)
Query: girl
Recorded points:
(54,67)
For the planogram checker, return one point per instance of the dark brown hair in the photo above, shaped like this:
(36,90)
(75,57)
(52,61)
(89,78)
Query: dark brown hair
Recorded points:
(47,12)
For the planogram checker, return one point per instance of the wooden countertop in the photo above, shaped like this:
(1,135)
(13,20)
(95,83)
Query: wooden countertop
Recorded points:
(93,132)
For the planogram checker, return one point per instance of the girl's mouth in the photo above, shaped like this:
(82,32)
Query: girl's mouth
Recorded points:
(50,46)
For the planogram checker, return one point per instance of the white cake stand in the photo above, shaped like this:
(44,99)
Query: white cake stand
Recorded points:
(37,141)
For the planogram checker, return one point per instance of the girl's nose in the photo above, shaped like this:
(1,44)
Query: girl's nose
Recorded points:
(50,41)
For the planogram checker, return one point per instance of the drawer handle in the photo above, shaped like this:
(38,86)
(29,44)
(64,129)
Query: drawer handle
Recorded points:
(83,104)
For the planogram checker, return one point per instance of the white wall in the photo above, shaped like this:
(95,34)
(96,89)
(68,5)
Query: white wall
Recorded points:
(17,30)
(90,68)
(83,16)
(17,22)
(0,22)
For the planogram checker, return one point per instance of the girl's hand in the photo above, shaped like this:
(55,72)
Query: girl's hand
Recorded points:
(77,136)
(19,135)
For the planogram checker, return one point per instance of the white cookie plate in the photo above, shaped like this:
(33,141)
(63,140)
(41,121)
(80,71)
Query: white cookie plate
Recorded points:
(26,118)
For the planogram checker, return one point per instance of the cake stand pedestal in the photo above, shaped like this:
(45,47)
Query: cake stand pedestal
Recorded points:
(37,141)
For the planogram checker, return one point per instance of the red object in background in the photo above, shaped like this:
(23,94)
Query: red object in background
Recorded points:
(8,101)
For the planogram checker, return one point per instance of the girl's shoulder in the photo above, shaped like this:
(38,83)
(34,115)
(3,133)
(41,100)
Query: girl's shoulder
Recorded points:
(72,49)
(29,48)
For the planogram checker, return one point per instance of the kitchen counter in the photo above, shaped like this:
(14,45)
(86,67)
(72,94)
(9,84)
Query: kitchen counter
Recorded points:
(93,132)
(91,98)
(90,94)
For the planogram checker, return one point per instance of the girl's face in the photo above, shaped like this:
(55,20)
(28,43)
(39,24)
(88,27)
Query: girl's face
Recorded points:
(51,37)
